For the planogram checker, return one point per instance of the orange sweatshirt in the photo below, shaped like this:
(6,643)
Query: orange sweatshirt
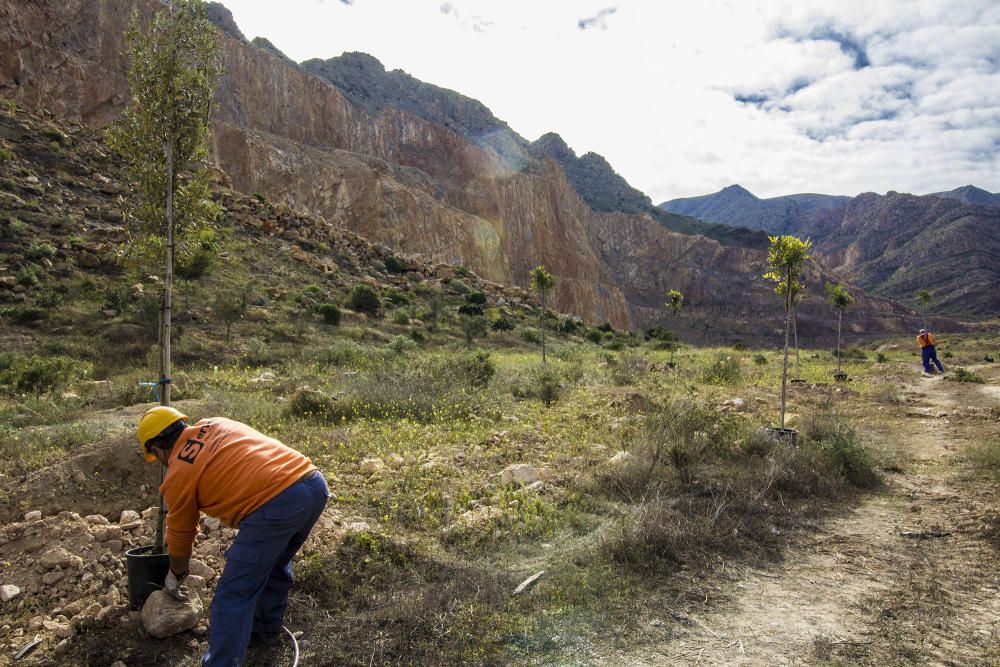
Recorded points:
(226,470)
(925,339)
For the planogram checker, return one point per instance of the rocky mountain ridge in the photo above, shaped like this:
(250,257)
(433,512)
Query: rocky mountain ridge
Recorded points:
(892,245)
(412,185)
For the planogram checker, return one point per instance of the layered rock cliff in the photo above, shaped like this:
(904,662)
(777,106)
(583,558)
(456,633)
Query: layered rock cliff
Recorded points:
(395,177)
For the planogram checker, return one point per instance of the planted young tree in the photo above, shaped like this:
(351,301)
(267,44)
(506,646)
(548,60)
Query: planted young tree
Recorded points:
(796,298)
(925,298)
(542,284)
(786,258)
(675,300)
(839,298)
(174,66)
(230,307)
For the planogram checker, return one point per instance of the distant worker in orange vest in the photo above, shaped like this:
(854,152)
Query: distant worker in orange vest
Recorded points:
(927,351)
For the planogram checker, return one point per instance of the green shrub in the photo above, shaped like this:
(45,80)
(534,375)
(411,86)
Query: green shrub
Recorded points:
(594,336)
(660,333)
(339,353)
(37,375)
(842,447)
(400,317)
(40,250)
(28,274)
(530,336)
(459,287)
(502,324)
(881,358)
(964,375)
(196,264)
(402,344)
(393,265)
(396,296)
(851,353)
(947,354)
(478,298)
(725,370)
(760,360)
(49,299)
(417,335)
(461,271)
(364,299)
(330,312)
(26,315)
(308,403)
(568,326)
(472,309)
(477,367)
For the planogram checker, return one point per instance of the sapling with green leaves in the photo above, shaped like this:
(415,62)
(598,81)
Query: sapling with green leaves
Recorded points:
(839,298)
(786,258)
(174,66)
(675,301)
(924,297)
(542,284)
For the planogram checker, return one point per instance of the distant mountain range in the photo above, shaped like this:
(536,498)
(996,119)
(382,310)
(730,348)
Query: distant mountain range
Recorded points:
(892,245)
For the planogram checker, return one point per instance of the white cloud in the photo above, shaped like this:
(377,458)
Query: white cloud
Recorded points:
(839,96)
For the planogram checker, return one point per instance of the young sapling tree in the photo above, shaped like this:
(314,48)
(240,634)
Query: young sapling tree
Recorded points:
(786,258)
(542,284)
(839,298)
(161,137)
(924,297)
(675,300)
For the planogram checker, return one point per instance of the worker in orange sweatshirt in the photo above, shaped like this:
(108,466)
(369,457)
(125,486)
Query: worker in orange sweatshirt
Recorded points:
(271,492)
(928,352)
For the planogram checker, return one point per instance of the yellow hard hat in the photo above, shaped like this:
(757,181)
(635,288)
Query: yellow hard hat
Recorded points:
(153,423)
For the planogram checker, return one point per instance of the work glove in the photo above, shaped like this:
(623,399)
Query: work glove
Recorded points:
(172,585)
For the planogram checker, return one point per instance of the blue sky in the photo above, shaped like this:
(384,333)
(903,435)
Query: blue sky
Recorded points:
(684,97)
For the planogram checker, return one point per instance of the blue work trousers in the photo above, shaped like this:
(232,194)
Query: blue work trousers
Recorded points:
(253,591)
(929,354)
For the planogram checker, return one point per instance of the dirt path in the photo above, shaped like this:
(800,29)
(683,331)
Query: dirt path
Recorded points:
(906,578)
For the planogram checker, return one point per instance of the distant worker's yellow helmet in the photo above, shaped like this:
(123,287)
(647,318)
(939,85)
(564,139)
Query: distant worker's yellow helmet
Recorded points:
(153,423)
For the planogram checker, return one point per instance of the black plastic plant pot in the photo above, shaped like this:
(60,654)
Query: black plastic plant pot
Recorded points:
(146,572)
(789,435)
(798,381)
(670,364)
(840,377)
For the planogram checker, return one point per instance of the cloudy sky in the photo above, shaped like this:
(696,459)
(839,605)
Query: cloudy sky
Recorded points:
(684,97)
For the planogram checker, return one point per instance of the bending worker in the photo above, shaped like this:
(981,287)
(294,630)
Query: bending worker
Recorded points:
(927,352)
(271,492)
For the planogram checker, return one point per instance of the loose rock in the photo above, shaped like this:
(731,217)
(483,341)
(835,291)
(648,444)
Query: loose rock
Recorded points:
(163,616)
(519,473)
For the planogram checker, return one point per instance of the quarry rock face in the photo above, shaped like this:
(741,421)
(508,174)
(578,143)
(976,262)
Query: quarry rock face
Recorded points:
(396,178)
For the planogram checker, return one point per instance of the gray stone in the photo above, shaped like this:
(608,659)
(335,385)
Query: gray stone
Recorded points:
(8,592)
(163,616)
(621,458)
(202,570)
(519,473)
(34,515)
